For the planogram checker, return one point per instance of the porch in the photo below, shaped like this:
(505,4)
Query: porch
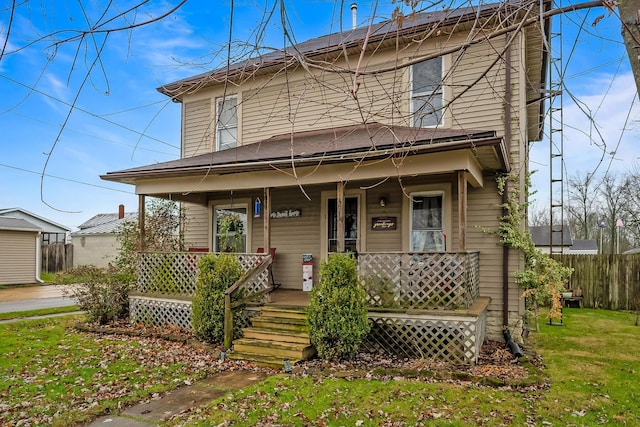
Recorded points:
(420,304)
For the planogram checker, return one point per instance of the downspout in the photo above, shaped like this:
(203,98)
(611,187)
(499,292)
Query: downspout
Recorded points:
(141,224)
(505,194)
(38,257)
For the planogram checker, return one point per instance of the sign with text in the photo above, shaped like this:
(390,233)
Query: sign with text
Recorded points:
(384,223)
(287,213)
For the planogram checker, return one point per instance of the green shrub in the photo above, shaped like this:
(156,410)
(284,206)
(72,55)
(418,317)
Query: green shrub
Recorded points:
(215,275)
(102,293)
(337,310)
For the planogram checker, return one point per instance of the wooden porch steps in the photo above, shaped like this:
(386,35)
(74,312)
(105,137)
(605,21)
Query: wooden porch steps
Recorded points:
(278,333)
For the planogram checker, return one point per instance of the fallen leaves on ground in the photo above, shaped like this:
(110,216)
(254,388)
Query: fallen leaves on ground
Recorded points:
(112,365)
(494,362)
(155,350)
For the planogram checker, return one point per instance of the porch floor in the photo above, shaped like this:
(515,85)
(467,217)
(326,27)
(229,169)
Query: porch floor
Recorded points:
(291,297)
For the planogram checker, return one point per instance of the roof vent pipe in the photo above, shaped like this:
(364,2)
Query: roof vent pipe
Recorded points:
(354,15)
(120,211)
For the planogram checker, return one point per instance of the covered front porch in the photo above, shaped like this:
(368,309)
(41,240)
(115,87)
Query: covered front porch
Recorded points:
(395,197)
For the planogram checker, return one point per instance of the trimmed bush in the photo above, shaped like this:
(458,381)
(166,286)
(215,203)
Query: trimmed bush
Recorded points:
(337,310)
(102,293)
(215,275)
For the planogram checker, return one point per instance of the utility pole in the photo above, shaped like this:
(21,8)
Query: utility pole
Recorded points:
(630,17)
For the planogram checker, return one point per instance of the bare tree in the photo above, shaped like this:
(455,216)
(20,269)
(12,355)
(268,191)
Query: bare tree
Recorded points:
(539,216)
(582,207)
(631,206)
(613,197)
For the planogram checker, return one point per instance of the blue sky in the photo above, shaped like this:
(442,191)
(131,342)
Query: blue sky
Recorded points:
(119,120)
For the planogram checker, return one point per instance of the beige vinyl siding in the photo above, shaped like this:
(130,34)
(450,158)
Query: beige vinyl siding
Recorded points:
(197,228)
(273,105)
(293,237)
(198,127)
(384,240)
(481,103)
(484,212)
(315,102)
(17,257)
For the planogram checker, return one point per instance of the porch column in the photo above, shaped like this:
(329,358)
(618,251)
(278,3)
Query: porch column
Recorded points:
(266,219)
(141,215)
(340,217)
(462,211)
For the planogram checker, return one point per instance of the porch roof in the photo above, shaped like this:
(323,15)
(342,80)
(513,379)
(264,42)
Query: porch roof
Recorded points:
(328,146)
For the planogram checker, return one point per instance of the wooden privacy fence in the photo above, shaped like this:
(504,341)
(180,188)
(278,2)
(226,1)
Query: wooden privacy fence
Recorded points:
(56,257)
(607,281)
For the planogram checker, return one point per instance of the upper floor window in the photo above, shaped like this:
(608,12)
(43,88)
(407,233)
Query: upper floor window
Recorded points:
(226,123)
(426,93)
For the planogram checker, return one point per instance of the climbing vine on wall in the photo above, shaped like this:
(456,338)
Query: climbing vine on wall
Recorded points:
(543,278)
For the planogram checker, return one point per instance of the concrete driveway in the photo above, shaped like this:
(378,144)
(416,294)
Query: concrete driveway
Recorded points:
(23,298)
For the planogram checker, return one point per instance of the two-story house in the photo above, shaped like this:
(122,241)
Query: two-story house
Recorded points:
(385,141)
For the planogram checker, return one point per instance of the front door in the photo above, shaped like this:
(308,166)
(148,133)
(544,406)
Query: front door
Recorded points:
(351,216)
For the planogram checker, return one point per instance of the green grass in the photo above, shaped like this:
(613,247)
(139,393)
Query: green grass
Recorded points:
(296,401)
(40,312)
(594,366)
(47,277)
(591,362)
(52,375)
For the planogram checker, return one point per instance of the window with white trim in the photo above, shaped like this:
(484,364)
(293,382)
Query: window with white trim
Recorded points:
(426,93)
(230,226)
(226,123)
(427,222)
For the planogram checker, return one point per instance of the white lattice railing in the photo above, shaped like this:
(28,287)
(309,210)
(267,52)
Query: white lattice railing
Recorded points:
(442,280)
(163,311)
(167,283)
(175,273)
(456,339)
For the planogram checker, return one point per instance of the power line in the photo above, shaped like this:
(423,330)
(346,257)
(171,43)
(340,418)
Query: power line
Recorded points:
(35,119)
(66,179)
(75,107)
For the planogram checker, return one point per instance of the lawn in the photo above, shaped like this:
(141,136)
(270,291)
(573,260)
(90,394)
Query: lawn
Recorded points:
(591,365)
(50,374)
(594,369)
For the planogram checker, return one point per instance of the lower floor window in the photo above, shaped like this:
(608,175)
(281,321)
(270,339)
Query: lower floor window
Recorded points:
(427,218)
(230,229)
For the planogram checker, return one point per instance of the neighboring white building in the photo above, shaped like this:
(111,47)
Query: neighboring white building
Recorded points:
(96,243)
